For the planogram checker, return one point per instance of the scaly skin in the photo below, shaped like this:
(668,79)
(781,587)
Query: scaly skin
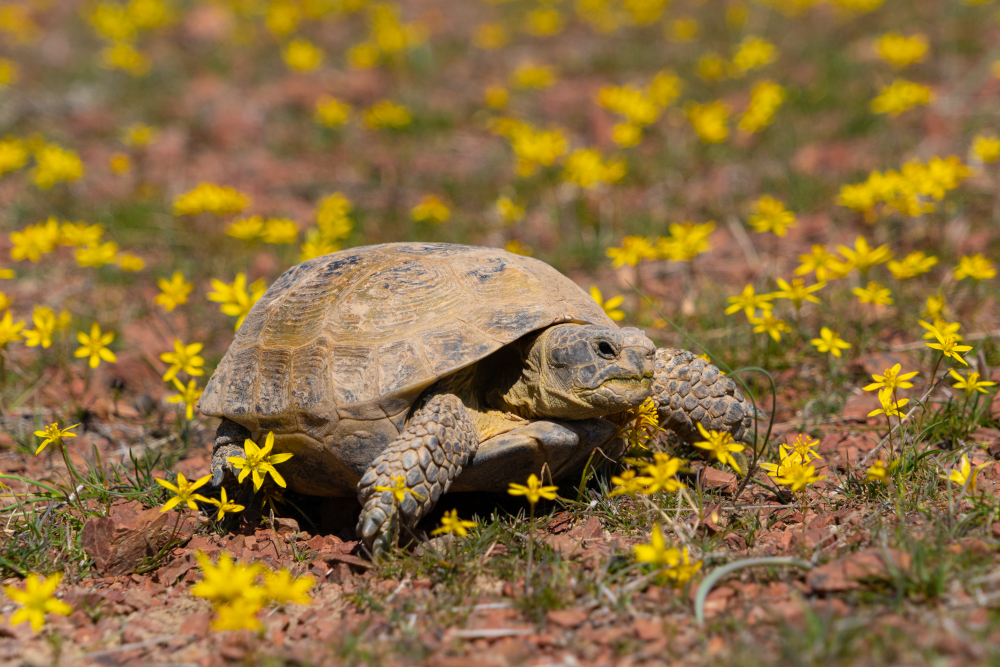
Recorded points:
(229,439)
(438,441)
(688,390)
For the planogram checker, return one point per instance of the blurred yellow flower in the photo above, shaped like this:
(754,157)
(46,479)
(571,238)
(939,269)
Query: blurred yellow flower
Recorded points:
(129,262)
(970,383)
(711,67)
(125,57)
(585,168)
(976,267)
(986,148)
(246,229)
(830,341)
(13,154)
(80,234)
(280,231)
(387,114)
(710,121)
(901,95)
(282,17)
(184,358)
(749,302)
(863,256)
(797,292)
(10,331)
(331,112)
(516,247)
(430,209)
(965,476)
(771,216)
(683,29)
(543,22)
(138,135)
(36,600)
(770,325)
(874,293)
(451,524)
(633,250)
(302,55)
(914,264)
(490,36)
(610,306)
(96,256)
(509,210)
(765,99)
(210,198)
(753,53)
(34,241)
(173,292)
(55,164)
(120,163)
(687,240)
(532,76)
(496,96)
(95,345)
(363,56)
(900,51)
(189,396)
(234,298)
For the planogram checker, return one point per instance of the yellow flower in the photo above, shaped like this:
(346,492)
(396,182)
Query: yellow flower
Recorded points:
(683,29)
(900,96)
(331,112)
(451,524)
(772,216)
(934,307)
(316,246)
(96,256)
(877,472)
(532,76)
(889,407)
(830,341)
(664,88)
(55,164)
(770,325)
(710,121)
(949,346)
(281,587)
(387,114)
(496,96)
(633,250)
(259,462)
(765,100)
(544,22)
(627,484)
(430,209)
(227,582)
(942,327)
(516,247)
(400,489)
(173,292)
(138,135)
(79,234)
(224,504)
(302,55)
(721,445)
(9,329)
(976,267)
(36,600)
(686,241)
(823,263)
(8,73)
(489,36)
(235,299)
(711,67)
(680,569)
(13,154)
(125,57)
(536,148)
(797,292)
(246,229)
(120,163)
(890,380)
(610,306)
(863,257)
(280,231)
(53,434)
(184,491)
(900,51)
(211,198)
(45,323)
(239,614)
(798,476)
(282,17)
(129,262)
(635,104)
(914,264)
(332,217)
(654,553)
(965,476)
(585,168)
(749,302)
(188,395)
(184,358)
(509,210)
(661,475)
(534,491)
(753,53)
(874,293)
(986,149)
(970,383)
(94,346)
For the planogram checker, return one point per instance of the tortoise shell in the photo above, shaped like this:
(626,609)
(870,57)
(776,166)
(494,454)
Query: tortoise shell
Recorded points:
(336,352)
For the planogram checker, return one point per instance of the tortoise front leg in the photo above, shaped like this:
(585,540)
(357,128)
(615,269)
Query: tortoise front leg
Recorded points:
(229,439)
(688,390)
(428,455)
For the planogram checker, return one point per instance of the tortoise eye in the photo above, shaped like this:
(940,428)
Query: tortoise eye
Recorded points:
(605,349)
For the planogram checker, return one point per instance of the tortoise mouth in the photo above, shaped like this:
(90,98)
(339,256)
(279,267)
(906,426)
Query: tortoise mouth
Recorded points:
(637,381)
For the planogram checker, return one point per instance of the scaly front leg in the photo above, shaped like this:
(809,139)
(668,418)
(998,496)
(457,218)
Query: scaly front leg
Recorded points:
(428,455)
(688,390)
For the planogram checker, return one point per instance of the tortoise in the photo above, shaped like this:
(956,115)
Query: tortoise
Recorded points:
(458,368)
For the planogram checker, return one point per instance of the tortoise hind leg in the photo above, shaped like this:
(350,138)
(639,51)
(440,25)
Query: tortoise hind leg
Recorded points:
(427,456)
(229,440)
(688,391)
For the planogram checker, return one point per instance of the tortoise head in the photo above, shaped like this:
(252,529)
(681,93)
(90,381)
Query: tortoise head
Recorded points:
(574,371)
